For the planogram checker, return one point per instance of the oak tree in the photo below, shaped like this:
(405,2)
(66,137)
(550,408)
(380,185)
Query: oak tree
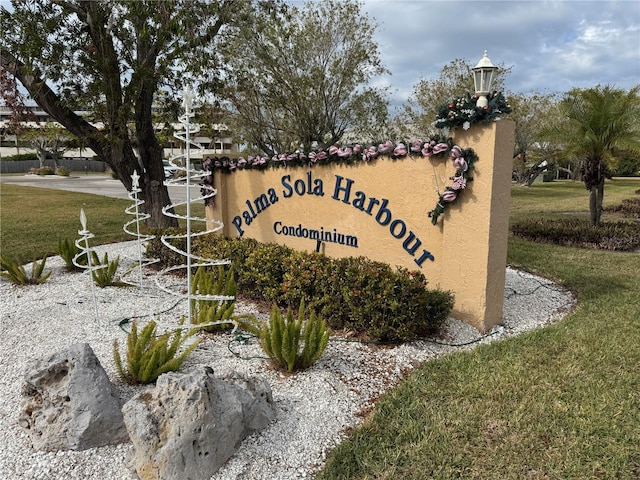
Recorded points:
(110,59)
(302,77)
(48,140)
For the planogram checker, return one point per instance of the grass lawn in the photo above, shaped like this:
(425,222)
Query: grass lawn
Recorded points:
(566,197)
(561,402)
(33,219)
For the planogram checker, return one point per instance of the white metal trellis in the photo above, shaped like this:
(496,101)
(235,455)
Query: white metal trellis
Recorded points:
(189,180)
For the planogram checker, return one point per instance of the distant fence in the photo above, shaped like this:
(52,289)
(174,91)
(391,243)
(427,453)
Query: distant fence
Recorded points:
(73,164)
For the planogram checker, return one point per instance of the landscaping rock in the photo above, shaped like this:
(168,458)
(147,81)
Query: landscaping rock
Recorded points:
(68,403)
(189,425)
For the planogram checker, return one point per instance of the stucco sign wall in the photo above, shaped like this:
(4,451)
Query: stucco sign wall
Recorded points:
(379,210)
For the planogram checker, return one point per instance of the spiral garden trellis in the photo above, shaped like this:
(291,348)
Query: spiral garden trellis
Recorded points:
(85,251)
(189,180)
(138,216)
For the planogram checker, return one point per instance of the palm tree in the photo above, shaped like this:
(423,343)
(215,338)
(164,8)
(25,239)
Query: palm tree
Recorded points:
(598,120)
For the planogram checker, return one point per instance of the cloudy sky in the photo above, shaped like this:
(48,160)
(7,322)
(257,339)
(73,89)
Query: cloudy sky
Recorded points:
(551,46)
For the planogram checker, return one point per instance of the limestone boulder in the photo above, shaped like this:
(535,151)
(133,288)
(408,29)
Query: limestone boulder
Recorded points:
(69,404)
(189,424)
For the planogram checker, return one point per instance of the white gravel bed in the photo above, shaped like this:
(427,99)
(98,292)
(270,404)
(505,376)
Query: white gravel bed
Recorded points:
(314,408)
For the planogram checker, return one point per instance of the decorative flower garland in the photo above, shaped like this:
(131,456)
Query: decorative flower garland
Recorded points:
(461,112)
(463,160)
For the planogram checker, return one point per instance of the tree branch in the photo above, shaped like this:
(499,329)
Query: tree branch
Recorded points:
(49,101)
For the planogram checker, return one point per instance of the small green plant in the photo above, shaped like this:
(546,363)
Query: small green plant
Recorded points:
(204,282)
(45,171)
(67,250)
(149,356)
(17,274)
(106,275)
(63,172)
(280,339)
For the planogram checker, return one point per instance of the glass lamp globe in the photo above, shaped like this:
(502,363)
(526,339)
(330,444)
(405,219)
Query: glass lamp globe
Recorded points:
(484,73)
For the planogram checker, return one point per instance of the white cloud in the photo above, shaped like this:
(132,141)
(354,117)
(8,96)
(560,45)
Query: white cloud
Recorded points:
(550,45)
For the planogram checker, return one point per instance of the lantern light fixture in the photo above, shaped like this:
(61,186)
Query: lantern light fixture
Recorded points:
(484,73)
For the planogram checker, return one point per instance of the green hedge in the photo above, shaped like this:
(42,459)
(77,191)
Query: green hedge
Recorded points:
(20,156)
(629,208)
(369,298)
(571,232)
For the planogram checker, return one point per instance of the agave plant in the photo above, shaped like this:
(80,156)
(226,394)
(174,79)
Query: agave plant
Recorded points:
(209,312)
(104,273)
(17,274)
(67,249)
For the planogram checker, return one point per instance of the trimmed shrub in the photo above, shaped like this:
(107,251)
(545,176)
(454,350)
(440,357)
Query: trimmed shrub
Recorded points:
(371,298)
(307,278)
(158,250)
(63,172)
(572,232)
(217,246)
(20,157)
(629,208)
(368,297)
(383,303)
(264,269)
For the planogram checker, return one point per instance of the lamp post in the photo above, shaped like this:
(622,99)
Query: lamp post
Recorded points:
(484,73)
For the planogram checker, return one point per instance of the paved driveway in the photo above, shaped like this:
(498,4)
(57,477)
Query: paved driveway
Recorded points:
(96,184)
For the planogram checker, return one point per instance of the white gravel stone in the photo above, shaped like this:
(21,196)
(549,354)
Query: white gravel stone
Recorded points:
(314,408)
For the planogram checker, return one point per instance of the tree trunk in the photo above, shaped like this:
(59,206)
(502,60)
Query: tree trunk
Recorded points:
(599,200)
(593,206)
(113,144)
(41,158)
(596,197)
(154,191)
(122,159)
(593,175)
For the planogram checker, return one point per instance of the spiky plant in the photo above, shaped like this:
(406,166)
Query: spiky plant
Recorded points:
(149,356)
(280,339)
(17,274)
(106,275)
(204,282)
(67,249)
